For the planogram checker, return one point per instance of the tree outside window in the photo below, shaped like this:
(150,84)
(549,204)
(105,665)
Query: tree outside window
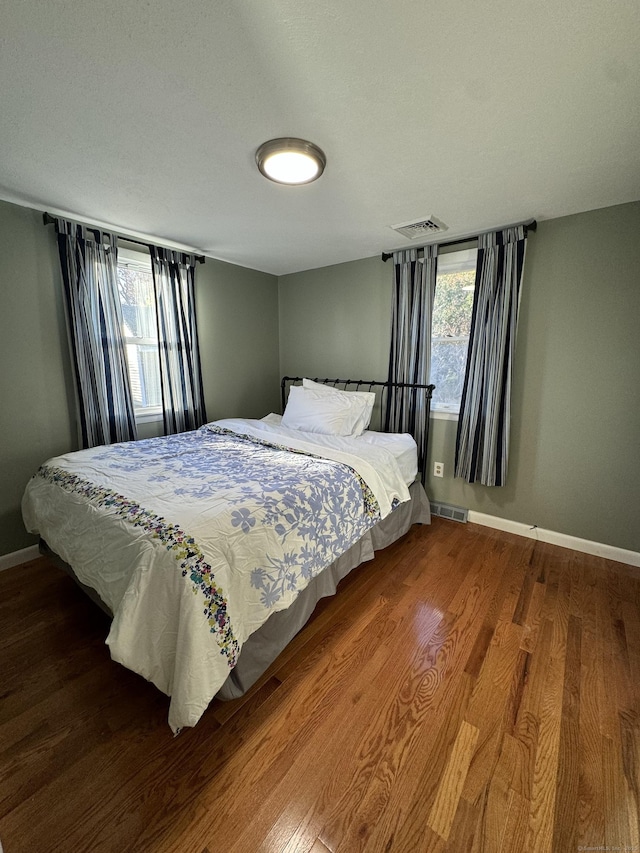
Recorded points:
(451,326)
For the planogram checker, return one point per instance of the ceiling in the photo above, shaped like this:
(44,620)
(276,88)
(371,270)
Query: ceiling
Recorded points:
(146,116)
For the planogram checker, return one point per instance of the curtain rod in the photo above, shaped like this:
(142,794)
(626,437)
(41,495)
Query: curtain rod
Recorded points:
(48,219)
(529,226)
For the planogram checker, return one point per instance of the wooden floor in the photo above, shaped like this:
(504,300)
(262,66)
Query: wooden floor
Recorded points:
(468,690)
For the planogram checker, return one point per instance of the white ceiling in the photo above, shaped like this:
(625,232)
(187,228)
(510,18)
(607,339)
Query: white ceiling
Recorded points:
(146,116)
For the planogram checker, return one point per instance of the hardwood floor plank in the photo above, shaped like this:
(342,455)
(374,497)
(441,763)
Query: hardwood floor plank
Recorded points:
(490,706)
(515,826)
(533,575)
(548,708)
(607,699)
(616,827)
(527,727)
(566,805)
(531,620)
(452,781)
(464,829)
(500,614)
(493,807)
(591,805)
(630,720)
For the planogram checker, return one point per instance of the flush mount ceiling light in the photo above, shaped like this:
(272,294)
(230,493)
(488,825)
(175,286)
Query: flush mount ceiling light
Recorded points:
(290,161)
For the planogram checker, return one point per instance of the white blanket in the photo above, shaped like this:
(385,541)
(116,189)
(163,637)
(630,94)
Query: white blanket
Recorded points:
(194,540)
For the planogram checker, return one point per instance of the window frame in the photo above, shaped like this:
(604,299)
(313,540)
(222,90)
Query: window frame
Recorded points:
(457,260)
(141,262)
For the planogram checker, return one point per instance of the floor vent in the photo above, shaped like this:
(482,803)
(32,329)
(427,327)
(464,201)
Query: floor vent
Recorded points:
(453,513)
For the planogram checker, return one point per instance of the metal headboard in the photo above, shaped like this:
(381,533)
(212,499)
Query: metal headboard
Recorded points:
(368,385)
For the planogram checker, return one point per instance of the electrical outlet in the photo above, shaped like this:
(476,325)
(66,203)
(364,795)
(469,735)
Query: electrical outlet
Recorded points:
(438,469)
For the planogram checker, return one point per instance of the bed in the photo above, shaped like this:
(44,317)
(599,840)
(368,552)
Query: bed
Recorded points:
(211,548)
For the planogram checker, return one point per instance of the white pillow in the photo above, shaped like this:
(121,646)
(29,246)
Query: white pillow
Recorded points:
(366,398)
(312,411)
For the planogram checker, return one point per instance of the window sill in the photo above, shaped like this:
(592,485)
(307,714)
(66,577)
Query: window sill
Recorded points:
(148,416)
(444,415)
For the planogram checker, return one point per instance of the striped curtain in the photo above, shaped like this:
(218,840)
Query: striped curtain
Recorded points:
(410,356)
(89,262)
(180,376)
(482,444)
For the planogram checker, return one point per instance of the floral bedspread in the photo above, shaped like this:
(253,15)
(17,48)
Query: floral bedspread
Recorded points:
(193,540)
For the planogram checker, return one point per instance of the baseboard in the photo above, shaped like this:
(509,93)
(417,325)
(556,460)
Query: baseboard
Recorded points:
(598,549)
(8,561)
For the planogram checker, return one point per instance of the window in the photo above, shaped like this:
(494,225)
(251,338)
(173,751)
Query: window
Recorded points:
(137,298)
(450,328)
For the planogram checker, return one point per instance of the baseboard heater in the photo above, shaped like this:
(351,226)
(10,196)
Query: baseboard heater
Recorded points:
(453,513)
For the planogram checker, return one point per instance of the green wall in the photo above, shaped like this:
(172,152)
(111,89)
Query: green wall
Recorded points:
(574,465)
(335,320)
(238,325)
(36,392)
(237,311)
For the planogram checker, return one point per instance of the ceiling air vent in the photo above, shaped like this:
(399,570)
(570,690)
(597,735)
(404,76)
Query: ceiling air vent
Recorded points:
(421,228)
